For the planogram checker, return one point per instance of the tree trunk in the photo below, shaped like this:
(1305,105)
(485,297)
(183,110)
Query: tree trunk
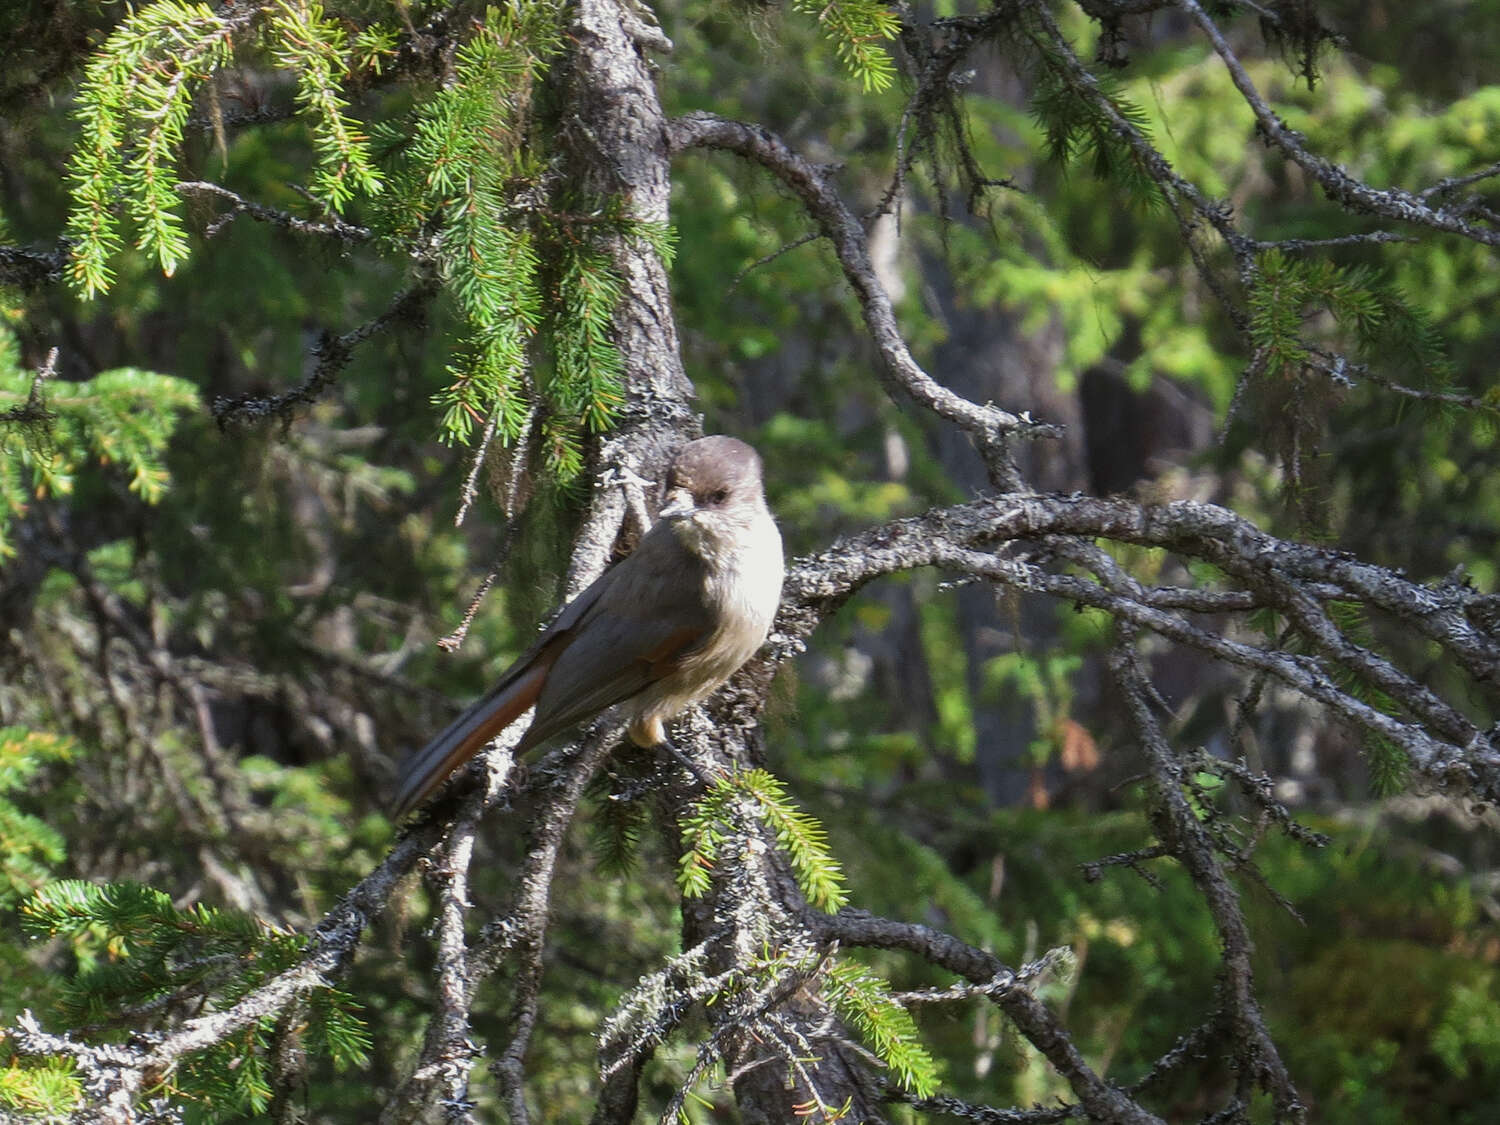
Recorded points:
(615,138)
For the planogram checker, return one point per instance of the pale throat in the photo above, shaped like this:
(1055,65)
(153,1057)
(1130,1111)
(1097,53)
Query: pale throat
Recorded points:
(698,539)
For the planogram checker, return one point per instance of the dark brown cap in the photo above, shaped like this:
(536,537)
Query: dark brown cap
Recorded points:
(715,470)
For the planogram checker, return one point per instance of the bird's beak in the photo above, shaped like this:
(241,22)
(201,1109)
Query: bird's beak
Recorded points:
(679,503)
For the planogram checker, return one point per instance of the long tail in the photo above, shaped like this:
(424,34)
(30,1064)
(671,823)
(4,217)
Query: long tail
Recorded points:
(430,766)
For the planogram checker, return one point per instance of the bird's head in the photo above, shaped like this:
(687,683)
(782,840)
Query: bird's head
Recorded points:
(714,493)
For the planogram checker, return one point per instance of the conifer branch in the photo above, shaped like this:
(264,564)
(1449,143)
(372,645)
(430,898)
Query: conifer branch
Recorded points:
(114,1076)
(520,933)
(859,929)
(1297,579)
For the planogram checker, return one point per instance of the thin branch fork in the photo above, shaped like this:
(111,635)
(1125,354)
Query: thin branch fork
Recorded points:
(1102,1101)
(119,1072)
(1443,761)
(521,932)
(332,354)
(1394,203)
(332,226)
(1185,837)
(988,425)
(34,409)
(1343,189)
(1291,577)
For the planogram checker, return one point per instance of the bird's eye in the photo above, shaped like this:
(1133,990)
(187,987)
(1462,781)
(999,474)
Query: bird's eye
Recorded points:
(718,496)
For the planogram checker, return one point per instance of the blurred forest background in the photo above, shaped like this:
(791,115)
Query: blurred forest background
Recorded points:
(219,628)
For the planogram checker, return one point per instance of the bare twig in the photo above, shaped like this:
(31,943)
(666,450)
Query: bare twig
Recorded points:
(34,409)
(1290,576)
(332,354)
(332,226)
(988,425)
(1453,183)
(1186,838)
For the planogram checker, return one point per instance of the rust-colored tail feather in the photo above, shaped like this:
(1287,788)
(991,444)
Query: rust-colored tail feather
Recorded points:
(464,737)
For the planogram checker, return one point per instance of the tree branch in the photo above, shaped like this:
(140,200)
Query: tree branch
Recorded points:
(1181,832)
(988,425)
(332,226)
(332,355)
(1099,1099)
(1291,576)
(29,269)
(1338,185)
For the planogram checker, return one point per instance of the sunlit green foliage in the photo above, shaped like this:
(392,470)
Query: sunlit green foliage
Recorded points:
(857,29)
(133,106)
(304,40)
(122,419)
(722,813)
(46,1092)
(863,1000)
(467,170)
(465,158)
(137,951)
(29,847)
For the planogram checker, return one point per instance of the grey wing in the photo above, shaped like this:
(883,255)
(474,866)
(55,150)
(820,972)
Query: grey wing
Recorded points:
(634,631)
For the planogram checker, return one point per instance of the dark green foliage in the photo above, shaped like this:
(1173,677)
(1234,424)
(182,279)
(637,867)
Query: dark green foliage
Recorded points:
(29,847)
(623,812)
(1372,316)
(1078,131)
(53,431)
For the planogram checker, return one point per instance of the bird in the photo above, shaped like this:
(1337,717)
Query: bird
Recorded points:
(658,631)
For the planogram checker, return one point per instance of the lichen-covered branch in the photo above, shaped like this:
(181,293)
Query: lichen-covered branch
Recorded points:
(1184,836)
(1342,188)
(332,226)
(1100,1100)
(1294,578)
